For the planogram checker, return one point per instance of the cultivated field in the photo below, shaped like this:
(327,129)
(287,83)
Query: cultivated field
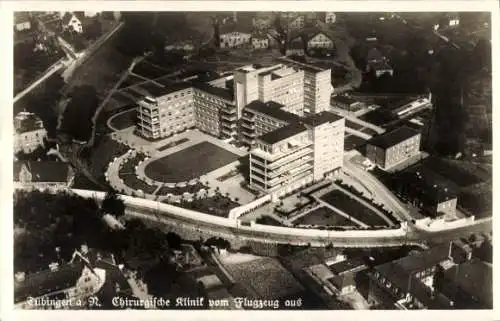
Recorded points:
(265,278)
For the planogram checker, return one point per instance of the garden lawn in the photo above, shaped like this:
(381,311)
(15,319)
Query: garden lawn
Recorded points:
(324,216)
(124,120)
(189,163)
(351,207)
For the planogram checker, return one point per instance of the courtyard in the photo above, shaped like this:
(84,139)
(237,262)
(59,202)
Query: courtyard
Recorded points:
(189,163)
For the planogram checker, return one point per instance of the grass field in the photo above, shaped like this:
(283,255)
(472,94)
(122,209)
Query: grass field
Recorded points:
(265,278)
(324,216)
(350,206)
(102,69)
(189,163)
(124,120)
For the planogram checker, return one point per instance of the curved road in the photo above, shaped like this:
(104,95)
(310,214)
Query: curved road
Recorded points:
(209,225)
(201,223)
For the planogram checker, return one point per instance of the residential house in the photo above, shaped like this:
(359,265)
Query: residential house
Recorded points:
(296,45)
(380,69)
(377,63)
(22,21)
(234,35)
(407,283)
(426,191)
(260,41)
(297,22)
(43,174)
(330,17)
(29,132)
(73,21)
(393,148)
(262,20)
(70,285)
(319,40)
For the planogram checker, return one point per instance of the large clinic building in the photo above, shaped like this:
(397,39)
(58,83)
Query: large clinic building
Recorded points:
(289,152)
(279,112)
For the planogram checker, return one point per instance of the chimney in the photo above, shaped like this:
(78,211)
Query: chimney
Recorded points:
(20,276)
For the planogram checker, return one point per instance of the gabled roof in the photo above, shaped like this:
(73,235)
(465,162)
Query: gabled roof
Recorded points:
(47,281)
(235,27)
(374,54)
(69,15)
(21,17)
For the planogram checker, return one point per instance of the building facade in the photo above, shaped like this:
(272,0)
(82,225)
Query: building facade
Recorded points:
(166,113)
(260,41)
(278,83)
(298,153)
(320,40)
(29,132)
(234,39)
(395,147)
(317,86)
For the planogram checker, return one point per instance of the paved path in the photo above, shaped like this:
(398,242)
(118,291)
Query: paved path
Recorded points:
(108,122)
(49,72)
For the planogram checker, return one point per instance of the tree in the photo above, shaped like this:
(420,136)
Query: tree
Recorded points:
(113,205)
(438,278)
(94,30)
(77,118)
(174,240)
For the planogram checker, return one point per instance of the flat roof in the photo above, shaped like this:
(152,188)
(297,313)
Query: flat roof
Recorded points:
(300,65)
(344,100)
(282,133)
(273,109)
(156,91)
(321,118)
(394,137)
(216,91)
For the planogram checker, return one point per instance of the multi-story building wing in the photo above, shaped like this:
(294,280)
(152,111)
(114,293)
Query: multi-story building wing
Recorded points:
(277,83)
(284,86)
(317,86)
(261,118)
(215,111)
(393,148)
(166,111)
(327,131)
(293,151)
(282,160)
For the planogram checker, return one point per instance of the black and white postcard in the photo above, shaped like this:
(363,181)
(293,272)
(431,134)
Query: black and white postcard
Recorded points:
(250,156)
